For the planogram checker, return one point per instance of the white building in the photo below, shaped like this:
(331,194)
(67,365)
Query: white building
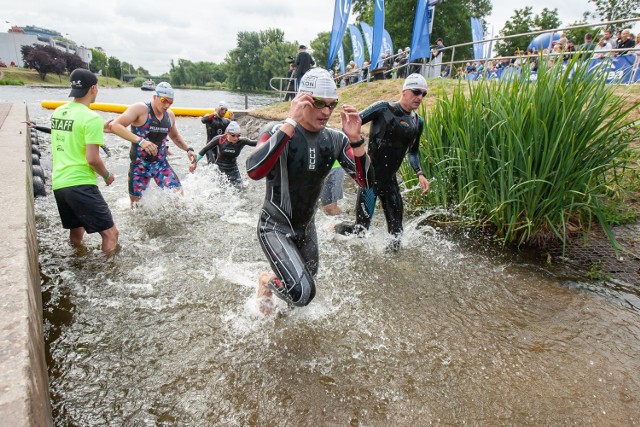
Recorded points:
(11,43)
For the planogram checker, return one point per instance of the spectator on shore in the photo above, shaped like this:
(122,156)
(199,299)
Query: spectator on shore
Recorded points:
(602,49)
(588,44)
(303,63)
(569,50)
(626,42)
(609,40)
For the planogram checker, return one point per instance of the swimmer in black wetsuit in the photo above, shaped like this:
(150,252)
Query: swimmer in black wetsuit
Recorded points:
(228,146)
(395,129)
(216,124)
(295,158)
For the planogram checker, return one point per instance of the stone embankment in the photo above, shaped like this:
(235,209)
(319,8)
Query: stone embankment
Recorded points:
(24,386)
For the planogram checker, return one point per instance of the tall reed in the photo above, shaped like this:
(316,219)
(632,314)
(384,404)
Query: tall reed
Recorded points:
(533,157)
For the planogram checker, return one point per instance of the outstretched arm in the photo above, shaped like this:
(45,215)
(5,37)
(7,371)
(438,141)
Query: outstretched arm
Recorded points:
(135,113)
(177,138)
(354,158)
(273,141)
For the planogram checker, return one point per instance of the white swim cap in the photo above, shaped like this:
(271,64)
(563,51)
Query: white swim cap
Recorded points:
(414,81)
(164,89)
(318,83)
(233,127)
(223,105)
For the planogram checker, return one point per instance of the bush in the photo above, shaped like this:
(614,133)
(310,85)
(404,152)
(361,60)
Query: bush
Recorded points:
(534,159)
(137,82)
(9,82)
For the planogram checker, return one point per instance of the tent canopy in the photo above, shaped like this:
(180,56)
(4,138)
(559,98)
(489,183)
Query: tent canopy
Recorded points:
(543,41)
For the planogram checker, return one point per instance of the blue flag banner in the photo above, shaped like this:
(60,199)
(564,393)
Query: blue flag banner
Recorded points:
(378,31)
(341,59)
(387,44)
(477,32)
(420,39)
(367,31)
(357,45)
(340,18)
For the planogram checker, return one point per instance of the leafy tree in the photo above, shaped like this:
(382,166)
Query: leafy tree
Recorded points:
(547,20)
(140,71)
(114,67)
(98,60)
(72,61)
(178,75)
(45,59)
(257,58)
(613,10)
(523,21)
(577,35)
(320,47)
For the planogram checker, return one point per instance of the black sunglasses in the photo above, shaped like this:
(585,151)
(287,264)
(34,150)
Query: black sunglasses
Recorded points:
(417,92)
(320,104)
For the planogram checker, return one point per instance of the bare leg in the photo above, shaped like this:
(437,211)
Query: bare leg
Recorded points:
(264,294)
(109,240)
(134,200)
(76,235)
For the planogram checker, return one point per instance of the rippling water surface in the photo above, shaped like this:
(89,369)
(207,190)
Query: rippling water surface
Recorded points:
(443,332)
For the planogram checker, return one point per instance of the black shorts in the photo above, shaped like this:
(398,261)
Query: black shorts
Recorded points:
(83,206)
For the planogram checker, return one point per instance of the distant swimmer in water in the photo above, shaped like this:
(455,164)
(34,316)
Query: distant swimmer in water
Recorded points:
(295,157)
(228,147)
(215,124)
(152,124)
(395,129)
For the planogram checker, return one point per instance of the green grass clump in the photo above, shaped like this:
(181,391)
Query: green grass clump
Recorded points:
(8,82)
(532,158)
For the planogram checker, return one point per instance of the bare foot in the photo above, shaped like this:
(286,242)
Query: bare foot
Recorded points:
(332,209)
(264,294)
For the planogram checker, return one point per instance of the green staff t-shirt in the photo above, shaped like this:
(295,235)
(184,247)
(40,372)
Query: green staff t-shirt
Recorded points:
(73,127)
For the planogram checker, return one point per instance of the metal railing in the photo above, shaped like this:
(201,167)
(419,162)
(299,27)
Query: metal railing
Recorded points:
(431,68)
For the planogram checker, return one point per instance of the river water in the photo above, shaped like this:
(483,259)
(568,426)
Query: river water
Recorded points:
(445,332)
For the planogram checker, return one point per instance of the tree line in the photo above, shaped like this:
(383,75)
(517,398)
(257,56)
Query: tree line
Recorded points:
(262,55)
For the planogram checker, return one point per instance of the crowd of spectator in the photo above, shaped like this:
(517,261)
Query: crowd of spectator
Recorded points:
(563,48)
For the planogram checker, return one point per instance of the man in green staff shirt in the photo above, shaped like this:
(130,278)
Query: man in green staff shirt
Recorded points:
(76,137)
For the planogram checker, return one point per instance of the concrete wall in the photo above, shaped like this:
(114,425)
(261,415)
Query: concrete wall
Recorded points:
(10,44)
(24,385)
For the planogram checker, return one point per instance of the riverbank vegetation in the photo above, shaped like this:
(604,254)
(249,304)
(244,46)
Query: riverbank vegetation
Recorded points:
(527,161)
(534,160)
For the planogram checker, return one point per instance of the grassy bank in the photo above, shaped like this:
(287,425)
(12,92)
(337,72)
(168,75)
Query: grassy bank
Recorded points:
(31,77)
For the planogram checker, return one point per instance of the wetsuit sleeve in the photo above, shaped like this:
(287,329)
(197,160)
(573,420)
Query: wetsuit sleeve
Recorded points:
(206,118)
(414,149)
(358,168)
(264,158)
(373,110)
(210,145)
(249,142)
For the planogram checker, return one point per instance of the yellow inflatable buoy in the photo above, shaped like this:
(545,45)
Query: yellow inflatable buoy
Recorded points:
(120,108)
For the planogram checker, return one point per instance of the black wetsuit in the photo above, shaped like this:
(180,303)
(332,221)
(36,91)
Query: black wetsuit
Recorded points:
(215,126)
(393,133)
(295,169)
(227,155)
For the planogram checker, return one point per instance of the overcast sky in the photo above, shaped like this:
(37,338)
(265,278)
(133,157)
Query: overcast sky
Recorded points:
(151,34)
